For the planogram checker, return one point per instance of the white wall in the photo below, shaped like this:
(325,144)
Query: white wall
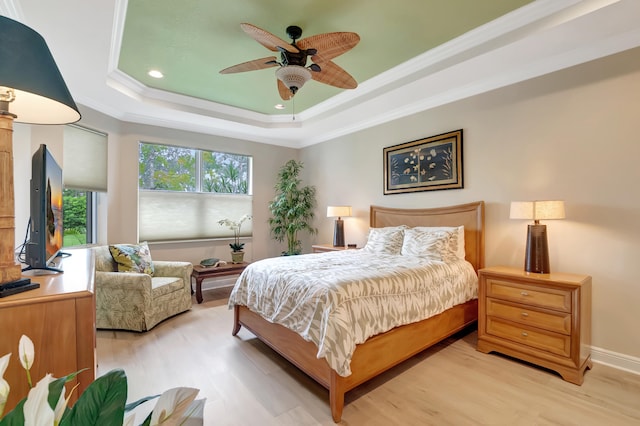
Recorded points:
(572,135)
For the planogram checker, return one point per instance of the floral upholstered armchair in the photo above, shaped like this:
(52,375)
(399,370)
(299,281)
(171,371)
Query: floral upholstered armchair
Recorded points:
(138,300)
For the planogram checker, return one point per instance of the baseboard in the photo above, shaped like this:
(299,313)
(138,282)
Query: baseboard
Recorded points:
(616,360)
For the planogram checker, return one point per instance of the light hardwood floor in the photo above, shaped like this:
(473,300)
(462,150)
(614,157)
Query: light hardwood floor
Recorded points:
(246,383)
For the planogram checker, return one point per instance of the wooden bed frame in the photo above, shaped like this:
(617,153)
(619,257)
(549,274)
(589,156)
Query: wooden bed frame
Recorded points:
(385,350)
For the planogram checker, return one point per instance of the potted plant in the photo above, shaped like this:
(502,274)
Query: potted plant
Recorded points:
(237,254)
(292,208)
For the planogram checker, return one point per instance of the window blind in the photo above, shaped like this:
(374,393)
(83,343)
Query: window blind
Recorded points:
(184,216)
(84,159)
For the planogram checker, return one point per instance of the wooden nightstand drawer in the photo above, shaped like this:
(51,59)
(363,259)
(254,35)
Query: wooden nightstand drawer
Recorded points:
(559,344)
(549,320)
(544,297)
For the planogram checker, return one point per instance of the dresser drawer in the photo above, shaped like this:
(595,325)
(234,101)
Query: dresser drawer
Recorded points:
(553,321)
(556,343)
(544,297)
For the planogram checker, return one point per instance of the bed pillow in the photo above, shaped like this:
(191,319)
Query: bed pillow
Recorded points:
(385,240)
(457,239)
(132,258)
(435,245)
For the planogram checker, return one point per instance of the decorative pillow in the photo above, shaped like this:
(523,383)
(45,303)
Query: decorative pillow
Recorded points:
(385,240)
(132,258)
(457,239)
(435,245)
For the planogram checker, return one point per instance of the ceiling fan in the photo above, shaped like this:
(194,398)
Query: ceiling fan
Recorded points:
(293,72)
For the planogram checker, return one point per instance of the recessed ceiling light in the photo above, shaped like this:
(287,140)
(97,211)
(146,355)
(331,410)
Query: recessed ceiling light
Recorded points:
(155,74)
(280,106)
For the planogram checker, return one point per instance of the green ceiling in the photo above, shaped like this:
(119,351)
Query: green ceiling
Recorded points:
(192,40)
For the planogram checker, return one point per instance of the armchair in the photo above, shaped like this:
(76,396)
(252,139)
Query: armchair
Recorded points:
(136,301)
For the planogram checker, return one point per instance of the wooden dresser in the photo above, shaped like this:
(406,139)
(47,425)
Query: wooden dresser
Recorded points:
(59,317)
(544,319)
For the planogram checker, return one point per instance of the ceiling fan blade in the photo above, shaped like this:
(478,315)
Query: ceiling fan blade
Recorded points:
(284,91)
(329,45)
(256,64)
(334,75)
(267,39)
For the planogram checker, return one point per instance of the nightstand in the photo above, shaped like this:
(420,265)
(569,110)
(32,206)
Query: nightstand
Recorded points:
(321,248)
(544,319)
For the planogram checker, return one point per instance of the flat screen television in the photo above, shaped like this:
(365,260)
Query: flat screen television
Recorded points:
(45,226)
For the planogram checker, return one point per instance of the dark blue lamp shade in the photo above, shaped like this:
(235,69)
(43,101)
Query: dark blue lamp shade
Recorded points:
(31,91)
(27,67)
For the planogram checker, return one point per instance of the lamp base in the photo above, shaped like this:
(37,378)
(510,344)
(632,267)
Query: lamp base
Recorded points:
(338,233)
(17,286)
(537,256)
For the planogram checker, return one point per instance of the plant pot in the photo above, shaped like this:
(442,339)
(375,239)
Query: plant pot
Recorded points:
(237,256)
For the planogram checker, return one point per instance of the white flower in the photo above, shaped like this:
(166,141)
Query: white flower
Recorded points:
(172,405)
(4,385)
(61,405)
(26,352)
(235,227)
(37,411)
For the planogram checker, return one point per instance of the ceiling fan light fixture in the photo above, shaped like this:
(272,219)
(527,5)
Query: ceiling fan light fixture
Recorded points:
(293,76)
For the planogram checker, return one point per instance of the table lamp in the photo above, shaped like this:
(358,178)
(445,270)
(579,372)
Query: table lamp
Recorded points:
(338,231)
(31,91)
(536,258)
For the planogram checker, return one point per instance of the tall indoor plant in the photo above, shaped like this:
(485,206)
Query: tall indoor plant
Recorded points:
(292,208)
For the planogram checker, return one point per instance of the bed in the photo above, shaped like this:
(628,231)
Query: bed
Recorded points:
(387,349)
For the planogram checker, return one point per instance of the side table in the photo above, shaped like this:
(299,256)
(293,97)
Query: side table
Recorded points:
(201,272)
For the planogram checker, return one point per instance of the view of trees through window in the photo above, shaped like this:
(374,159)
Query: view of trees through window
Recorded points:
(74,217)
(172,168)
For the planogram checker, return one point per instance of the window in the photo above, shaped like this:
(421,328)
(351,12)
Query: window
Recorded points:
(78,217)
(184,192)
(85,174)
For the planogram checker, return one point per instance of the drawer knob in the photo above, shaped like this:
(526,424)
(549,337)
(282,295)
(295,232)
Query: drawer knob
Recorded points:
(525,314)
(524,293)
(525,334)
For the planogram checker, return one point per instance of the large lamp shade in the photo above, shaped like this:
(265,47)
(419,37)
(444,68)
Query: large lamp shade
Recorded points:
(31,91)
(27,67)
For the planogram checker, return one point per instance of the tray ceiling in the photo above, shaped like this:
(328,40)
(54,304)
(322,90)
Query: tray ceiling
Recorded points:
(413,55)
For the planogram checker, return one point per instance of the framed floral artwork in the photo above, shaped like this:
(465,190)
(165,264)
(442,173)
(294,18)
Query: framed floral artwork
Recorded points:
(424,165)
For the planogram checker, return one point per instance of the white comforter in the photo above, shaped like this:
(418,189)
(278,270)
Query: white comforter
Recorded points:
(340,299)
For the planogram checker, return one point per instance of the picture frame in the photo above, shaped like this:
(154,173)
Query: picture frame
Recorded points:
(427,164)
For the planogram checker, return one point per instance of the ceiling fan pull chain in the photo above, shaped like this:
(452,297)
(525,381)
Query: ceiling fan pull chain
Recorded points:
(293,108)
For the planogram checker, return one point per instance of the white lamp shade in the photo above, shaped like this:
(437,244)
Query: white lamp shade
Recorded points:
(338,211)
(521,210)
(537,210)
(549,210)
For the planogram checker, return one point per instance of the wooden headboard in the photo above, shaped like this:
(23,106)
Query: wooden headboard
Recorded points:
(470,215)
